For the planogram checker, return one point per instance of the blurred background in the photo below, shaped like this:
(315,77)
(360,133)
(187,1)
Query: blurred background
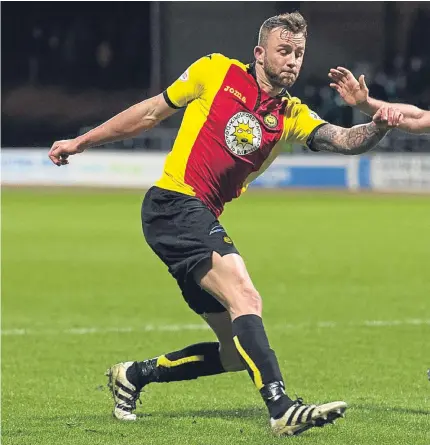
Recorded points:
(68,66)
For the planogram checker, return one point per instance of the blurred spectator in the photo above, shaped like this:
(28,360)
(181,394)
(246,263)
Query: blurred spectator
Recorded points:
(78,45)
(36,55)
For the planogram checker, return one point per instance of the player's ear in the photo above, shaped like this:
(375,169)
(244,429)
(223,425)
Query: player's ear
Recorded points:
(259,54)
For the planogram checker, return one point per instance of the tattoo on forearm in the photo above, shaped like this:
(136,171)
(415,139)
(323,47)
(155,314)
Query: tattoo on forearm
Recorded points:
(350,141)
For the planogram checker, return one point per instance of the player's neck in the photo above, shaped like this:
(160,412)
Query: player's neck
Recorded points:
(264,82)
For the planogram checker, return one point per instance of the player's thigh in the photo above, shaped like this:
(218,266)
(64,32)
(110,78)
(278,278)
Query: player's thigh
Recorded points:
(221,325)
(227,278)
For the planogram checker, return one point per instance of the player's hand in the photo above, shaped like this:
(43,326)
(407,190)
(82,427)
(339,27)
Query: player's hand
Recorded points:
(387,118)
(61,150)
(354,92)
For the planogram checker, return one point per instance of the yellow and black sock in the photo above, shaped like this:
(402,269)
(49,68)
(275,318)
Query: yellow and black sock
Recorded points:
(260,360)
(194,361)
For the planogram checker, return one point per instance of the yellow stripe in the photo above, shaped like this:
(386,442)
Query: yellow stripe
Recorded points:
(211,72)
(166,363)
(257,375)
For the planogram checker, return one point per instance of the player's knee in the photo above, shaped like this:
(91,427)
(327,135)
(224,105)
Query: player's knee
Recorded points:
(233,366)
(253,299)
(249,300)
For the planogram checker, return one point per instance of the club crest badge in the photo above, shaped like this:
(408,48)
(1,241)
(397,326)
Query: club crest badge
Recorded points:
(243,134)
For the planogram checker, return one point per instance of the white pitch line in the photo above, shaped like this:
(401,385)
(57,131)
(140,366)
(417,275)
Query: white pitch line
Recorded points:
(203,327)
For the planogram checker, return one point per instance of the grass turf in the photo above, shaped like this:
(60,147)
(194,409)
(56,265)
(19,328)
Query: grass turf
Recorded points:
(327,265)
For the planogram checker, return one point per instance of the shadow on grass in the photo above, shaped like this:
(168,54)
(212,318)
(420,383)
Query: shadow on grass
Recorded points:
(239,413)
(394,409)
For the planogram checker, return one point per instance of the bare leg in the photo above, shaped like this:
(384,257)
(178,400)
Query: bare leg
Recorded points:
(227,279)
(220,323)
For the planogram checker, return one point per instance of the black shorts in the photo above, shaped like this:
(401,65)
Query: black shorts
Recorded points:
(183,232)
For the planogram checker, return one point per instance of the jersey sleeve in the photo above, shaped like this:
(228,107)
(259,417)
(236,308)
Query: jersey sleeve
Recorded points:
(301,123)
(190,85)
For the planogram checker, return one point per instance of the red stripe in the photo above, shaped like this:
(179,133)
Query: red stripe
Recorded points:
(214,171)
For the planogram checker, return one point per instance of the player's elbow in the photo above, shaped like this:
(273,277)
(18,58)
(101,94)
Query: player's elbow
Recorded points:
(155,110)
(150,121)
(356,151)
(147,114)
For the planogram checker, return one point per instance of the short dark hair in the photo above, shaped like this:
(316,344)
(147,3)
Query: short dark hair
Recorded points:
(293,22)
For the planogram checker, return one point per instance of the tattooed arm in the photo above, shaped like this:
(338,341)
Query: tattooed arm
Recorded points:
(347,141)
(355,140)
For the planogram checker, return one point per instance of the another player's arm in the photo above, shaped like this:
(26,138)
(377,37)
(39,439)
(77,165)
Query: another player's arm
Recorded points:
(415,120)
(356,94)
(129,123)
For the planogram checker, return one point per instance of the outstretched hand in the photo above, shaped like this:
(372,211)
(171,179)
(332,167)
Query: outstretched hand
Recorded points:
(354,92)
(61,150)
(387,118)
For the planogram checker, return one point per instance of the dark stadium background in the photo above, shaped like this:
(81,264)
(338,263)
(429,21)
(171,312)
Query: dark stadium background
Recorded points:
(70,65)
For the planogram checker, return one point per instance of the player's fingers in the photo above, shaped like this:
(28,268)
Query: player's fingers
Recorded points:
(345,71)
(378,116)
(336,87)
(337,74)
(334,78)
(362,82)
(54,160)
(335,71)
(54,155)
(397,117)
(394,117)
(390,116)
(339,80)
(54,146)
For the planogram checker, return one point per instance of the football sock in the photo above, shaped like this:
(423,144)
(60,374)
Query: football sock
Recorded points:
(194,361)
(261,363)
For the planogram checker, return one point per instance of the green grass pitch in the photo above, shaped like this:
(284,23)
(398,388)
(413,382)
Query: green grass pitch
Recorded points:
(345,281)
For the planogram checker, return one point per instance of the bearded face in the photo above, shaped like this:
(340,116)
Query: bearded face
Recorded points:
(283,57)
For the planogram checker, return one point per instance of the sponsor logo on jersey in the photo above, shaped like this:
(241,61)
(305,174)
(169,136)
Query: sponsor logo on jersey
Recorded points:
(216,229)
(243,133)
(235,93)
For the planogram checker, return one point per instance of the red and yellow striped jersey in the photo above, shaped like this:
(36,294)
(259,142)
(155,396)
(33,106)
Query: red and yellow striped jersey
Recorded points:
(231,130)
